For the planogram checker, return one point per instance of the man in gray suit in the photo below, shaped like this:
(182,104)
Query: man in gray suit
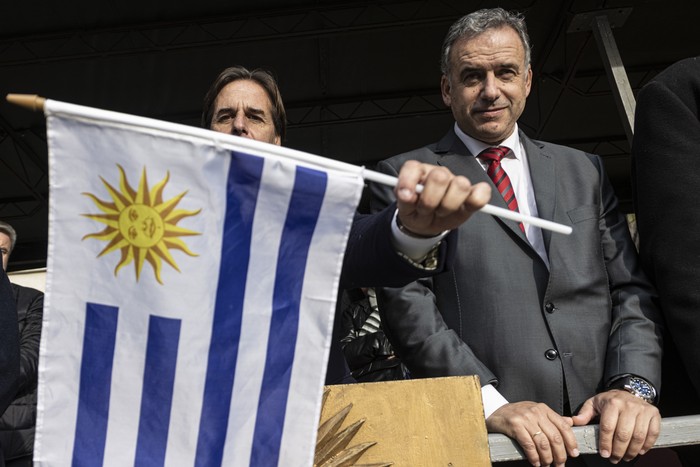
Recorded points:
(553,325)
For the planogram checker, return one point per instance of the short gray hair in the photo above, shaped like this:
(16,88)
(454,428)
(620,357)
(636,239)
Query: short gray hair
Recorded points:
(8,230)
(479,21)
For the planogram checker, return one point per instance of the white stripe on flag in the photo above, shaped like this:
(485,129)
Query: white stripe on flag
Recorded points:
(125,400)
(316,323)
(270,214)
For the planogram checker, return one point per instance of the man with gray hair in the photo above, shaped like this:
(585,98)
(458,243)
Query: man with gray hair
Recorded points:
(18,421)
(560,329)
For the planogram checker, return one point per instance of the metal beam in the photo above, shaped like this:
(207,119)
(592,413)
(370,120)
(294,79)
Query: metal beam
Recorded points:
(620,84)
(600,23)
(16,163)
(259,26)
(592,79)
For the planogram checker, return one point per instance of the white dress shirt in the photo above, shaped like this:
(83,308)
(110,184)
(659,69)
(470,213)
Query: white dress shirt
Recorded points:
(413,247)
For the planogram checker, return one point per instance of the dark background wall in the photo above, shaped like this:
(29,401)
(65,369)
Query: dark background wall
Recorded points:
(359,78)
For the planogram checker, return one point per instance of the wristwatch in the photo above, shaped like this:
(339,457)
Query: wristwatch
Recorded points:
(636,386)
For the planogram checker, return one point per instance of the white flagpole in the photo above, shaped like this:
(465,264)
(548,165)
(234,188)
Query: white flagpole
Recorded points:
(35,103)
(487,209)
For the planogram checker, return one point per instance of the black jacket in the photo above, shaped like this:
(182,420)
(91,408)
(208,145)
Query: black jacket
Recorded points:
(18,421)
(9,347)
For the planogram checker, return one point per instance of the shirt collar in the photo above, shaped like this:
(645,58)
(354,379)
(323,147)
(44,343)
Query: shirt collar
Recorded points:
(475,146)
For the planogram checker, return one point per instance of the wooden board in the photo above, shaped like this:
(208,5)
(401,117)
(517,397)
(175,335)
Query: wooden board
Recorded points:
(436,421)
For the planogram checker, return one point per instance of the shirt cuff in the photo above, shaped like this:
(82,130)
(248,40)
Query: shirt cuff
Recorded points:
(492,399)
(412,247)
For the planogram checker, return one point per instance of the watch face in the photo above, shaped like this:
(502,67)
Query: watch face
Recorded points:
(642,388)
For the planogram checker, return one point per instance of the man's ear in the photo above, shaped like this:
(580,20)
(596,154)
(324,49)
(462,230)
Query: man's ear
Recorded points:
(445,90)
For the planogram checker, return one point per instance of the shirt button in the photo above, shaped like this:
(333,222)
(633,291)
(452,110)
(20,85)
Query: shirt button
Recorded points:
(549,307)
(551,354)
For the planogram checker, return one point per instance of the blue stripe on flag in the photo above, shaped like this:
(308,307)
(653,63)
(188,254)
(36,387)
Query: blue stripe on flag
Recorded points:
(304,208)
(95,382)
(241,198)
(157,396)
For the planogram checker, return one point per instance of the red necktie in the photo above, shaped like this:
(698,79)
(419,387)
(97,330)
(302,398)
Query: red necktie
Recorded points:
(499,176)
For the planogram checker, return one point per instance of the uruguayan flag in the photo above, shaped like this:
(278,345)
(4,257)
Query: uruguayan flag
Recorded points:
(191,287)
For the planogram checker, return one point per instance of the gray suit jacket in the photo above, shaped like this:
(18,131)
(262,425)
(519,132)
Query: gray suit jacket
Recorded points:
(537,335)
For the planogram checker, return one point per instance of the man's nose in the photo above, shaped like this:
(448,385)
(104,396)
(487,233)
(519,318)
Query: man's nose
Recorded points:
(239,125)
(490,87)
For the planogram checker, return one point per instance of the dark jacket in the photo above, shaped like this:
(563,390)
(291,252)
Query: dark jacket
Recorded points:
(371,261)
(9,347)
(367,351)
(666,169)
(666,172)
(18,421)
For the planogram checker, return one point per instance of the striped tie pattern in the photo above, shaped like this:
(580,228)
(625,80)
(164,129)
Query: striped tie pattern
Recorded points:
(499,176)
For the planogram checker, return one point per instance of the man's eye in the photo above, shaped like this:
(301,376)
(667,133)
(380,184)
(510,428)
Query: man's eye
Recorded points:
(223,118)
(470,78)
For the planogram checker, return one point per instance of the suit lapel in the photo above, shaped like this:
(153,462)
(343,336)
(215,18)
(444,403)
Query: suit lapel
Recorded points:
(543,175)
(455,156)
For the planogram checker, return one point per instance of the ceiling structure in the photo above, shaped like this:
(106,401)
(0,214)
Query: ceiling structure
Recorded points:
(360,79)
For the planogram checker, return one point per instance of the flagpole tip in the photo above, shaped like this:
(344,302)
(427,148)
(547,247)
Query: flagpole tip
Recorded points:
(28,101)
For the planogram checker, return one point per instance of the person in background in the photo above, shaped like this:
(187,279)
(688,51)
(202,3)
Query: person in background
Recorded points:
(561,330)
(18,421)
(367,351)
(9,346)
(666,175)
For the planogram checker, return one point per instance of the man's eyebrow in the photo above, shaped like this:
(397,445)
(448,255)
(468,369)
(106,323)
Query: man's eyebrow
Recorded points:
(467,70)
(223,110)
(253,110)
(510,64)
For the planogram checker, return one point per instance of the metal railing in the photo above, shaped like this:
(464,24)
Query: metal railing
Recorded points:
(675,431)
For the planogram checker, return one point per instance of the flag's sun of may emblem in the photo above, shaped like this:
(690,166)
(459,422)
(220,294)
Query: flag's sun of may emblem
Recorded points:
(141,224)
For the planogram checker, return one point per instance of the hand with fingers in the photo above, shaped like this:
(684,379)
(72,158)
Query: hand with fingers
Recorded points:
(545,436)
(447,200)
(629,426)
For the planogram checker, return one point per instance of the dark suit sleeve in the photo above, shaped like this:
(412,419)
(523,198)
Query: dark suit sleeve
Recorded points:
(371,260)
(414,325)
(666,158)
(635,341)
(9,344)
